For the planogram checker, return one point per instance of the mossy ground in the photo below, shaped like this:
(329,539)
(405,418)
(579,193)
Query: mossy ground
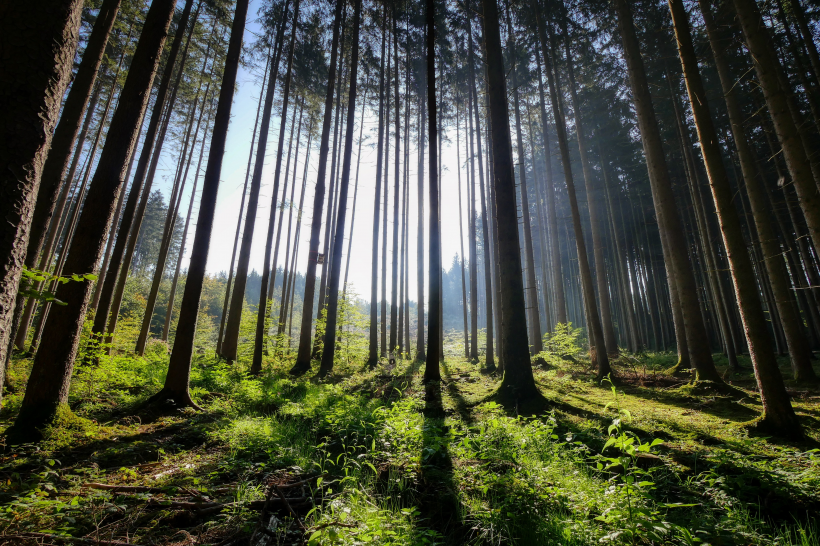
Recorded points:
(405,463)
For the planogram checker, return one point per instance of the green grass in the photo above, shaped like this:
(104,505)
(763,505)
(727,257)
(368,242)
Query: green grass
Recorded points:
(404,463)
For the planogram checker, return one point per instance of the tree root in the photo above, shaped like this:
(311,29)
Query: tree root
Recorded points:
(181,399)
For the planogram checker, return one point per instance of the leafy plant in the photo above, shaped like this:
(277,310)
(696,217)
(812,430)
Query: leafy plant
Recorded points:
(33,283)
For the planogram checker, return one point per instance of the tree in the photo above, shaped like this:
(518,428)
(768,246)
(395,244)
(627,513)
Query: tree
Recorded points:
(305,338)
(778,415)
(672,232)
(329,349)
(518,384)
(432,371)
(179,367)
(47,389)
(769,75)
(35,72)
(65,135)
(230,343)
(120,263)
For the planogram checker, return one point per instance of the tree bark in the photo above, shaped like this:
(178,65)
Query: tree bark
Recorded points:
(664,200)
(610,341)
(47,389)
(230,343)
(36,71)
(114,283)
(778,415)
(518,385)
(179,367)
(267,274)
(432,371)
(534,319)
(768,69)
(373,349)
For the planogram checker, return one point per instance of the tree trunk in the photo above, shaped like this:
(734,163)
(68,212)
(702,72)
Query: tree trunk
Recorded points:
(303,357)
(610,341)
(778,416)
(230,343)
(420,352)
(170,222)
(432,371)
(179,367)
(598,349)
(552,215)
(768,68)
(798,345)
(172,294)
(518,385)
(485,230)
(394,271)
(329,349)
(664,199)
(385,188)
(262,308)
(461,234)
(271,60)
(36,70)
(132,217)
(47,389)
(534,321)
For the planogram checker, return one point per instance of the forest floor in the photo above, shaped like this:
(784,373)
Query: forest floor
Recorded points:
(374,456)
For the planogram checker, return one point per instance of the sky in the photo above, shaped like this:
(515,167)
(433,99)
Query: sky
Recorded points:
(235,164)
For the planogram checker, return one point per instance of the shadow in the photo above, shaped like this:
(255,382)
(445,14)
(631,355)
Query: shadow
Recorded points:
(463,408)
(718,405)
(438,500)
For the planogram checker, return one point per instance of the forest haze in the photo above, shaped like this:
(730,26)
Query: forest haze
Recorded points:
(410,272)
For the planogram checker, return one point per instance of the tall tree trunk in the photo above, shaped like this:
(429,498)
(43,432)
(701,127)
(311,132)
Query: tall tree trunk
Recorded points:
(385,189)
(36,70)
(47,389)
(797,342)
(534,321)
(610,340)
(518,385)
(62,143)
(461,233)
(355,194)
(179,367)
(668,220)
(552,215)
(264,298)
(768,69)
(778,415)
(420,351)
(329,349)
(166,327)
(489,254)
(272,62)
(170,222)
(134,210)
(303,357)
(598,349)
(432,371)
(373,350)
(230,343)
(395,268)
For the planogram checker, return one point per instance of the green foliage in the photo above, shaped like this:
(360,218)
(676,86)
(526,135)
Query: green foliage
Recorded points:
(34,283)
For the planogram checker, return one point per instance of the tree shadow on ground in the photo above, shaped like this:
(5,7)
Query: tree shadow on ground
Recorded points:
(716,405)
(438,501)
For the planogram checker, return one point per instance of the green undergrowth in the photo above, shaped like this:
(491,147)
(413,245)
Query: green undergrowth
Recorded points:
(646,461)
